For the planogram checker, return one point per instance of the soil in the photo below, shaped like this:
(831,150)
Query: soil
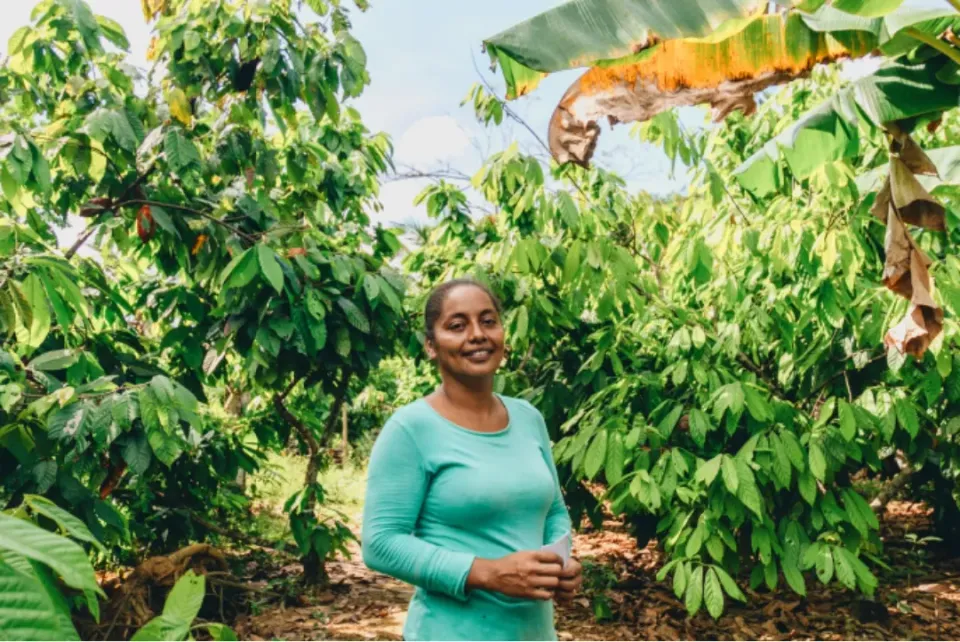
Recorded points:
(919,598)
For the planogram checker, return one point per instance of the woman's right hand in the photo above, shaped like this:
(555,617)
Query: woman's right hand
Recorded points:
(533,575)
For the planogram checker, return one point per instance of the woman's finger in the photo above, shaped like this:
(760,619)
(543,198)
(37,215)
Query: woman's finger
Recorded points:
(549,569)
(546,581)
(568,585)
(540,594)
(572,569)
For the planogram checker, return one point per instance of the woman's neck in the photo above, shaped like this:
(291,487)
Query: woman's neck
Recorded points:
(475,395)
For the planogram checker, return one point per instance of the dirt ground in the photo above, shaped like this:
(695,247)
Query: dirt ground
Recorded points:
(917,599)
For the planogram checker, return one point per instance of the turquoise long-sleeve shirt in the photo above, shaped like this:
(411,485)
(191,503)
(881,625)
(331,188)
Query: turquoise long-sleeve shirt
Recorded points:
(439,496)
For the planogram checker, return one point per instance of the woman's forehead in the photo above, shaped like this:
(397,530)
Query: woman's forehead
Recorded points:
(466,299)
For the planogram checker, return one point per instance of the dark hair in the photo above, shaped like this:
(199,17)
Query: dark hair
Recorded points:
(434,305)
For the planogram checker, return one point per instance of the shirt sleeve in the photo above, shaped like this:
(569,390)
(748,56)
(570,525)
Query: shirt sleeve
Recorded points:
(558,518)
(396,486)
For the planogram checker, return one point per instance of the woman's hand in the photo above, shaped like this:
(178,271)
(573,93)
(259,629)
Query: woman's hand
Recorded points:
(533,575)
(570,580)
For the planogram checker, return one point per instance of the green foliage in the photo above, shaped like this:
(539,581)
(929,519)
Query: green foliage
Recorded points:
(227,254)
(180,609)
(40,570)
(730,348)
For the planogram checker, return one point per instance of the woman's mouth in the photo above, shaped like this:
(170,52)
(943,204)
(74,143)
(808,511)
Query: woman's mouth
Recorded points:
(480,355)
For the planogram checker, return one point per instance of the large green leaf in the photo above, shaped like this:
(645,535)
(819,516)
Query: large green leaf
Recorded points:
(31,606)
(896,91)
(579,33)
(69,524)
(62,555)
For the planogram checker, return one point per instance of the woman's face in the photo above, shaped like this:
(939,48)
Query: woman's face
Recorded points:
(468,337)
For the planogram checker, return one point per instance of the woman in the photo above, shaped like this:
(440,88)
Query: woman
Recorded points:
(462,491)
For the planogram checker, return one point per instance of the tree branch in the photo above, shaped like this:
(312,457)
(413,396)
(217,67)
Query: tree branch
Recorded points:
(339,396)
(237,536)
(140,201)
(80,241)
(93,227)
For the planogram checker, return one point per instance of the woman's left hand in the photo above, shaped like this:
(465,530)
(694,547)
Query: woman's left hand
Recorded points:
(570,580)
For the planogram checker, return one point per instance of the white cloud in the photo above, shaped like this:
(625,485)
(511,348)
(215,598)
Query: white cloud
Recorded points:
(397,199)
(432,140)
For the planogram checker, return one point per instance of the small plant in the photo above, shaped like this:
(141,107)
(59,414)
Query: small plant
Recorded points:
(179,612)
(917,552)
(598,579)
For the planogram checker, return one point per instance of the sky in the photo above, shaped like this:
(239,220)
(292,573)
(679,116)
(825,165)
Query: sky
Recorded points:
(423,56)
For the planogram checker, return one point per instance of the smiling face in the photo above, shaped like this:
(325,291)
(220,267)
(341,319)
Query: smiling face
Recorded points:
(467,336)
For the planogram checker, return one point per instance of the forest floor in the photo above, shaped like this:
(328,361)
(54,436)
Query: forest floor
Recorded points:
(919,598)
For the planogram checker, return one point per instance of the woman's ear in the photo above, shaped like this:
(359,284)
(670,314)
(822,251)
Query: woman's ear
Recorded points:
(429,348)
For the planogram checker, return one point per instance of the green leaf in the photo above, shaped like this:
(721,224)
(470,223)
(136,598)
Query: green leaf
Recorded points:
(31,605)
(54,360)
(844,568)
(848,421)
(826,411)
(907,417)
(67,523)
(695,541)
(694,593)
(270,268)
(748,492)
(85,22)
(825,564)
(355,315)
(523,322)
(64,556)
(162,628)
(818,463)
(859,511)
(807,486)
(112,30)
(185,598)
(221,633)
(715,548)
(757,406)
(164,446)
(730,397)
(39,324)
(179,150)
(616,456)
(680,580)
(136,452)
(240,270)
(699,426)
(596,454)
(729,468)
(713,594)
(794,577)
(68,422)
(708,471)
(669,422)
(781,462)
(729,585)
(794,452)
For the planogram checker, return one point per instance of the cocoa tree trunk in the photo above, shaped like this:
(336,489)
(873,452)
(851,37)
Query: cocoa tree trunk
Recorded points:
(314,568)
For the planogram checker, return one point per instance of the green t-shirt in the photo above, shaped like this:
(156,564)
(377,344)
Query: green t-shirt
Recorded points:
(439,495)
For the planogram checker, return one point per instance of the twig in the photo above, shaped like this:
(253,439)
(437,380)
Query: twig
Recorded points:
(138,201)
(93,226)
(232,534)
(80,241)
(894,486)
